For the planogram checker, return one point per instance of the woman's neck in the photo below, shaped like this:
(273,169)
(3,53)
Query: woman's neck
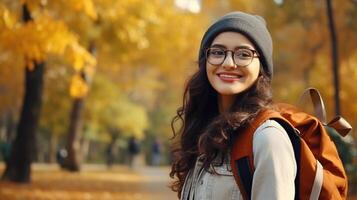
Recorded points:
(225,102)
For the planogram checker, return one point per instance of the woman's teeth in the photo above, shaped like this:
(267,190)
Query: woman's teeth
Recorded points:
(229,76)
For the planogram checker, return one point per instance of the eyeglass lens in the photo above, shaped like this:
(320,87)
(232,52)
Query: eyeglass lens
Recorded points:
(242,57)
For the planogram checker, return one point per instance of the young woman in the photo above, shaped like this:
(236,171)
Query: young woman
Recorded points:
(231,86)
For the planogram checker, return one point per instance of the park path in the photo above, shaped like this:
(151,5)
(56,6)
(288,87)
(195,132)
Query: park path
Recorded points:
(94,182)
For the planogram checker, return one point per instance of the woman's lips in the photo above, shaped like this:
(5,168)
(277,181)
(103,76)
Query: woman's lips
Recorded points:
(229,77)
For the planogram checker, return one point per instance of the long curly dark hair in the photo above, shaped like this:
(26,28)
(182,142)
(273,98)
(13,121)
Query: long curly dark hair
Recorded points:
(202,130)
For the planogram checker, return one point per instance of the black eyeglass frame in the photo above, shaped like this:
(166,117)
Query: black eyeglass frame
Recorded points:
(254,53)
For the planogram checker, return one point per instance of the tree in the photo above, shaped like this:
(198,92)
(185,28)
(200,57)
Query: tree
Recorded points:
(39,43)
(334,56)
(79,89)
(18,167)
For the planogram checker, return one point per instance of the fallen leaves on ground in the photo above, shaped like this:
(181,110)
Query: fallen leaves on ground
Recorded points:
(92,183)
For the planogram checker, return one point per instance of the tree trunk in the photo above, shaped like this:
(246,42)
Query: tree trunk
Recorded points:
(23,148)
(334,55)
(18,169)
(72,162)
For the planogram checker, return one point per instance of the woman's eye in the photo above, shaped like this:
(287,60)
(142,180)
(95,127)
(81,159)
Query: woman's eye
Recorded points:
(217,52)
(243,54)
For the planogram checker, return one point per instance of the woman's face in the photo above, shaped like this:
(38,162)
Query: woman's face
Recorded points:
(228,78)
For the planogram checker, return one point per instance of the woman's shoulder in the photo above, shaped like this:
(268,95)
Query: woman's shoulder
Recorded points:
(270,125)
(272,146)
(271,133)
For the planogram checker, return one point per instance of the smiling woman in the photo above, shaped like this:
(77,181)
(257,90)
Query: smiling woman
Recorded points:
(232,85)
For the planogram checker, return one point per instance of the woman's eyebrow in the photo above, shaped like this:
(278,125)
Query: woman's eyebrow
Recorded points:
(244,47)
(219,46)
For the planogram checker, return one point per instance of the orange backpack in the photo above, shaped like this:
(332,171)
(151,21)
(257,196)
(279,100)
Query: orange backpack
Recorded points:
(320,173)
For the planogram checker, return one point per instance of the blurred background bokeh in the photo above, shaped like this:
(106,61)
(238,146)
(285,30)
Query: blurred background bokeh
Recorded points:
(97,82)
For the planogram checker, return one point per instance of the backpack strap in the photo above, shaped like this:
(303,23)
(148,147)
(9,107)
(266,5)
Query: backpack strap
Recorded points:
(242,161)
(295,140)
(338,122)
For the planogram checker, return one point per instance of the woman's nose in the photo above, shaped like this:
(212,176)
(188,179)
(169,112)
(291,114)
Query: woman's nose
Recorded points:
(228,62)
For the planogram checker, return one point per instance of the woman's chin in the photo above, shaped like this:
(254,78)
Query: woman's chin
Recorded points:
(229,90)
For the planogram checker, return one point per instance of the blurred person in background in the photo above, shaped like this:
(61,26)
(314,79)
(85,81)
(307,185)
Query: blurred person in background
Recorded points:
(133,151)
(61,156)
(156,150)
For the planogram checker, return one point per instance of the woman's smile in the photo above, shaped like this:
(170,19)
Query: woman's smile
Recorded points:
(229,77)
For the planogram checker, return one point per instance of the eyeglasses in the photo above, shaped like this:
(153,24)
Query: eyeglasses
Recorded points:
(242,57)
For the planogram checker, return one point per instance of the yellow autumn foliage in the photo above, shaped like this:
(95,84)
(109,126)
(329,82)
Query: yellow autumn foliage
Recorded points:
(79,57)
(114,110)
(37,39)
(85,6)
(78,86)
(7,19)
(81,6)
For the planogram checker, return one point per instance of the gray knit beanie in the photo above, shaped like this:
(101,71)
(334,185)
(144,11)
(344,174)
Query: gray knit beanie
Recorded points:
(251,26)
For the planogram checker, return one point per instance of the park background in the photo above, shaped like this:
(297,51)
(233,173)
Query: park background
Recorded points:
(86,75)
